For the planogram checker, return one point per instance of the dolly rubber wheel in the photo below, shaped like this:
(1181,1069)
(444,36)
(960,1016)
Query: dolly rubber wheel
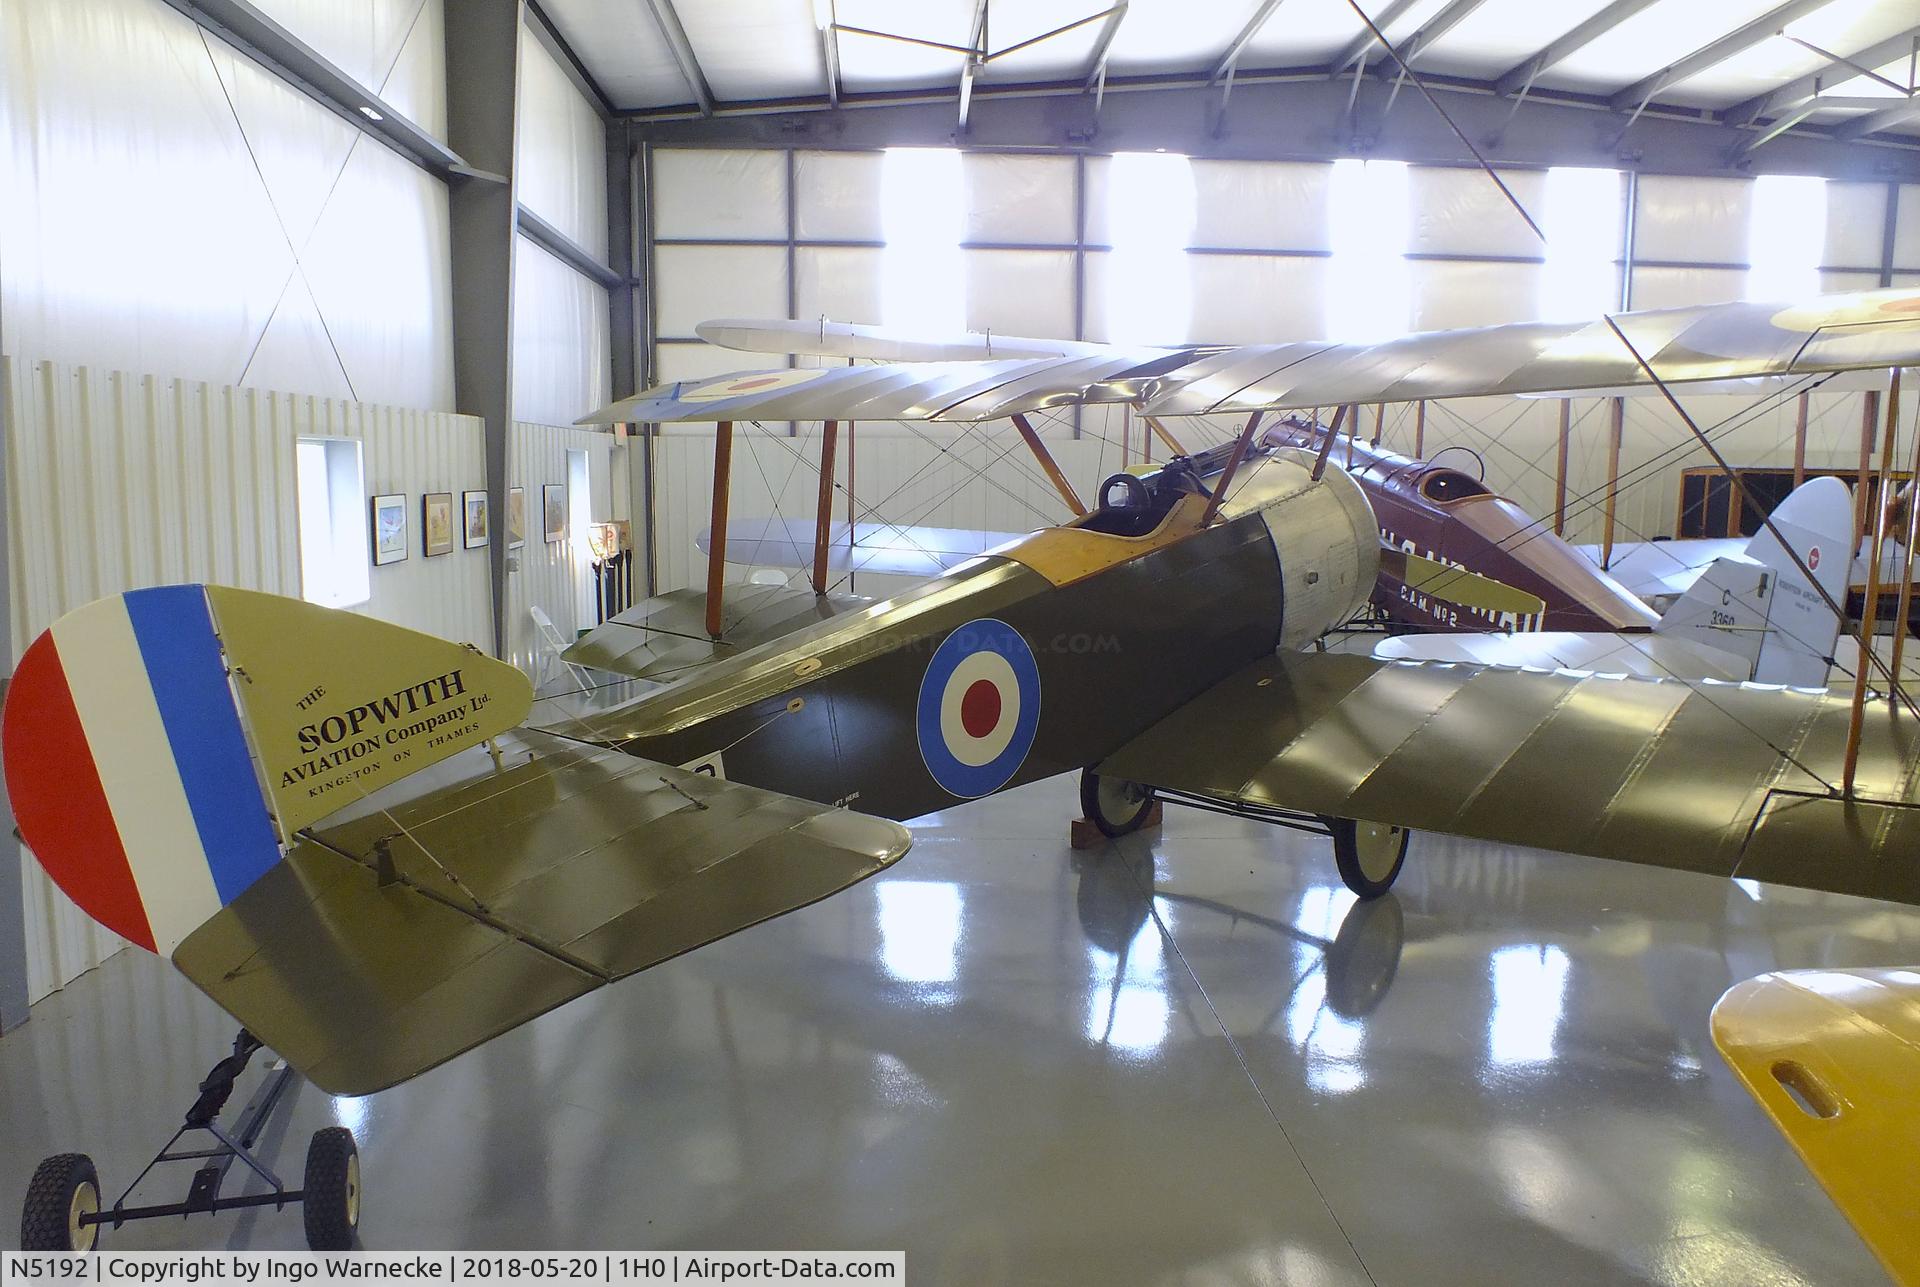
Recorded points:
(1368,854)
(332,1202)
(1116,806)
(64,1188)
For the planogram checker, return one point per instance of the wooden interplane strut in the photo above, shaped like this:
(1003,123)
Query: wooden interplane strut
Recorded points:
(823,513)
(1045,457)
(717,550)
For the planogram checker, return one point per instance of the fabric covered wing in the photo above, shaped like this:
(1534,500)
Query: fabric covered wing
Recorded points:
(1709,342)
(665,638)
(570,868)
(1696,778)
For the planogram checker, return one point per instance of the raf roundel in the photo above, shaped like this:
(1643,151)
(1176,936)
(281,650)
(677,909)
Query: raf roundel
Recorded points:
(979,708)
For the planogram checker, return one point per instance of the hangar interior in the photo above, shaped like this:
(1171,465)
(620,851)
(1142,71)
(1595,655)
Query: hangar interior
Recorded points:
(265,261)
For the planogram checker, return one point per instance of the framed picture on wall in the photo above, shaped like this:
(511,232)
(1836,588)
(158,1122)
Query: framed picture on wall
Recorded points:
(389,529)
(516,517)
(436,522)
(553,510)
(473,506)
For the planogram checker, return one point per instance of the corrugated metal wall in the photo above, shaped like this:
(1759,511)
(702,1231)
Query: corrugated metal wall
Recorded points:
(118,481)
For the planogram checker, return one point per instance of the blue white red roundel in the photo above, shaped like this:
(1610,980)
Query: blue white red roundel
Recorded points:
(979,708)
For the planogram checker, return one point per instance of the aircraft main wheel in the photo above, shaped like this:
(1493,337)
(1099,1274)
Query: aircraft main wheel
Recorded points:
(64,1188)
(1368,854)
(332,1202)
(1116,806)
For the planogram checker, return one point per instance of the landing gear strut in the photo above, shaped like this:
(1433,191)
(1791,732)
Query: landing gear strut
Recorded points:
(63,1211)
(1116,806)
(1368,855)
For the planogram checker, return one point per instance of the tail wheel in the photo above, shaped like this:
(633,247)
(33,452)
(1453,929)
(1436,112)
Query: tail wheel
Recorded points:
(332,1202)
(64,1188)
(1116,806)
(1368,854)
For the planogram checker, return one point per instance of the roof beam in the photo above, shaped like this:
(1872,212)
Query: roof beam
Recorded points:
(1455,12)
(976,56)
(260,38)
(1247,33)
(549,35)
(1794,93)
(1874,122)
(1765,27)
(682,49)
(1364,41)
(1518,78)
(1103,44)
(1179,112)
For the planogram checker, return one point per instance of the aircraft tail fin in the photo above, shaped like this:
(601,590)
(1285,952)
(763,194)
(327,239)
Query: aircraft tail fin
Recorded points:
(162,746)
(1761,607)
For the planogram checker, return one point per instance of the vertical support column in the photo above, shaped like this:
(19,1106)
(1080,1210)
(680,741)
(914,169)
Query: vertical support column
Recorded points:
(717,547)
(1079,262)
(1420,429)
(1800,441)
(823,515)
(793,265)
(13,917)
(648,357)
(483,84)
(1869,609)
(1616,424)
(1560,468)
(623,323)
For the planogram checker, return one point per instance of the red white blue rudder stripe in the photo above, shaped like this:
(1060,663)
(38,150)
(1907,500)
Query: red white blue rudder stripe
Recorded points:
(979,708)
(128,768)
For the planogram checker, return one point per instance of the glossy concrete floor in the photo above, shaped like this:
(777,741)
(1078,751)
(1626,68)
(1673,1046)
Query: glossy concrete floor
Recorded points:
(1189,1058)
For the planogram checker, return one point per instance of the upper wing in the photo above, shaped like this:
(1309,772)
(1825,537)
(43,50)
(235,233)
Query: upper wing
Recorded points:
(1729,779)
(1833,1056)
(511,891)
(1710,342)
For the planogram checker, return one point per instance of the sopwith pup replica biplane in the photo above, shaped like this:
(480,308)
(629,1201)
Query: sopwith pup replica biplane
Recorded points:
(356,841)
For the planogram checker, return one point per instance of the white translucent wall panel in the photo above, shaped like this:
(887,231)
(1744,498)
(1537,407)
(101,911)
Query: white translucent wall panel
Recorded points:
(1676,287)
(561,352)
(379,267)
(1020,292)
(1261,205)
(171,207)
(839,282)
(693,284)
(88,449)
(416,86)
(698,361)
(1256,299)
(1835,282)
(560,152)
(553,576)
(1856,221)
(1461,212)
(1018,198)
(1693,220)
(837,196)
(1906,232)
(370,39)
(719,192)
(1449,294)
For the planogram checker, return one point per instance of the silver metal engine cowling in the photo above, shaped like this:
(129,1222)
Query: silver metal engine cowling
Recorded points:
(1324,533)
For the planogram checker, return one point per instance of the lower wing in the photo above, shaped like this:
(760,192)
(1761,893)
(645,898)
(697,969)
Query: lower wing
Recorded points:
(1728,779)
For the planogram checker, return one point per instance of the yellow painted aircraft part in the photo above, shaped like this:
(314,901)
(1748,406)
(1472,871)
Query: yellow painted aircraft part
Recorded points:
(1469,589)
(1833,1056)
(1064,555)
(339,705)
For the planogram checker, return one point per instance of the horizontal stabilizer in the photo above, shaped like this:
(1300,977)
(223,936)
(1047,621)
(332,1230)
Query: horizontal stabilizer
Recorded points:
(665,638)
(1456,584)
(161,745)
(865,547)
(389,944)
